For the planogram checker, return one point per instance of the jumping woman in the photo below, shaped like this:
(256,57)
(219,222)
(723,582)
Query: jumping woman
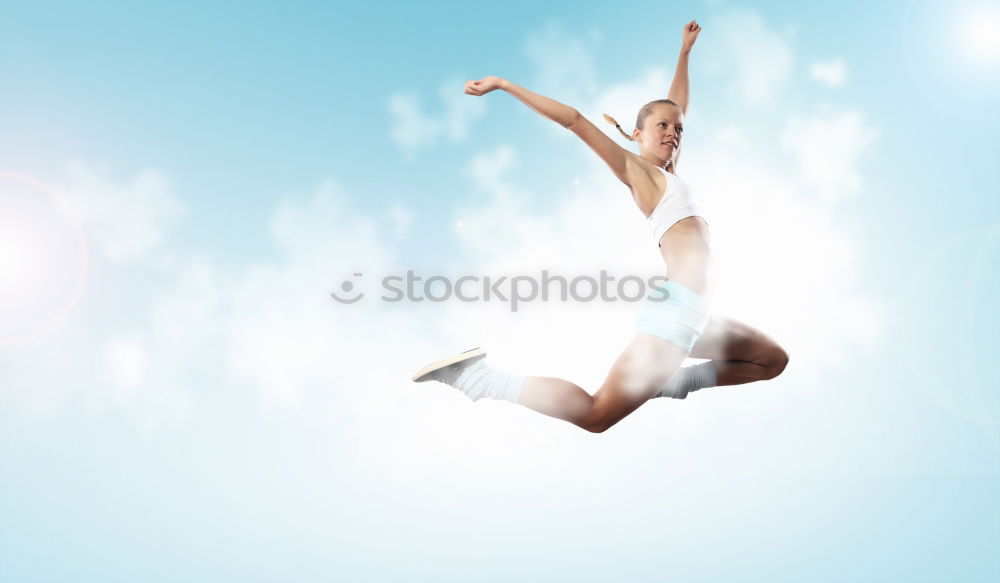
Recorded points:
(674,321)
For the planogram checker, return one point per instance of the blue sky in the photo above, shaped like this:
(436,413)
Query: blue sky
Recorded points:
(182,185)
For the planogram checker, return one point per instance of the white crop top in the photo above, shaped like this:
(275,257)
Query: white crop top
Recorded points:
(677,203)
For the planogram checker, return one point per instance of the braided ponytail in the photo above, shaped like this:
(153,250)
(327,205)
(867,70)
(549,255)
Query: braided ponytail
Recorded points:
(612,121)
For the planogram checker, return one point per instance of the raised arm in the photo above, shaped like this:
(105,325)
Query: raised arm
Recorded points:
(613,155)
(680,89)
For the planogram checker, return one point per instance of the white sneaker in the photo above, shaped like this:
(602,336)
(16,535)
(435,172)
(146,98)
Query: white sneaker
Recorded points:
(449,369)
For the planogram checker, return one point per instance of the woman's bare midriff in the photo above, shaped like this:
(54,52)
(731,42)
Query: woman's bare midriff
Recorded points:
(686,251)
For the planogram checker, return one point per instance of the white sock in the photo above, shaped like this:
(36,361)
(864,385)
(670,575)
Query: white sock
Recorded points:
(479,380)
(689,379)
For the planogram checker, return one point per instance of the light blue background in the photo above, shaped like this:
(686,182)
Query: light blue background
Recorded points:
(245,104)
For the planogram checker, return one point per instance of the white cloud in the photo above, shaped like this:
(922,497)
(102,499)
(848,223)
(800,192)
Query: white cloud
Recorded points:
(157,367)
(830,73)
(460,109)
(125,221)
(563,64)
(739,45)
(286,339)
(782,258)
(828,146)
(412,129)
(187,330)
(401,218)
(101,362)
(126,359)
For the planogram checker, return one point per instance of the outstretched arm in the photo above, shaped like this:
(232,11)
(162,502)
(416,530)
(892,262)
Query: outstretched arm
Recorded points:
(679,89)
(560,113)
(613,155)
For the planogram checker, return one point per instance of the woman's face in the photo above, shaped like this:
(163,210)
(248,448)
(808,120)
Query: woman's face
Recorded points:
(662,133)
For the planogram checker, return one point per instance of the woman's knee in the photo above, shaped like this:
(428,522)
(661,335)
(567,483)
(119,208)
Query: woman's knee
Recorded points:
(777,361)
(595,422)
(604,415)
(765,351)
(601,425)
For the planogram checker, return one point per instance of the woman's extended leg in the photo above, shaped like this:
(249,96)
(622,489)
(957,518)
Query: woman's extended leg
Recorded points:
(642,369)
(740,352)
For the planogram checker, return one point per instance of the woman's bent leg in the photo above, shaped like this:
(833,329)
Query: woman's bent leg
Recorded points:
(643,368)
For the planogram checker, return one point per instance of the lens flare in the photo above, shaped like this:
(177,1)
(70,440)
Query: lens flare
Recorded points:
(43,259)
(951,50)
(950,326)
(979,34)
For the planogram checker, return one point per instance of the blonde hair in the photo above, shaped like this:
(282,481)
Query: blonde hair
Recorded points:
(640,121)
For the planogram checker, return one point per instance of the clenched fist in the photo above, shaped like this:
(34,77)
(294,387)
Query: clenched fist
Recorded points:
(689,35)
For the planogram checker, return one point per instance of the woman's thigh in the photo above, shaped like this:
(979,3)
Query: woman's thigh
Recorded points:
(726,338)
(643,368)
